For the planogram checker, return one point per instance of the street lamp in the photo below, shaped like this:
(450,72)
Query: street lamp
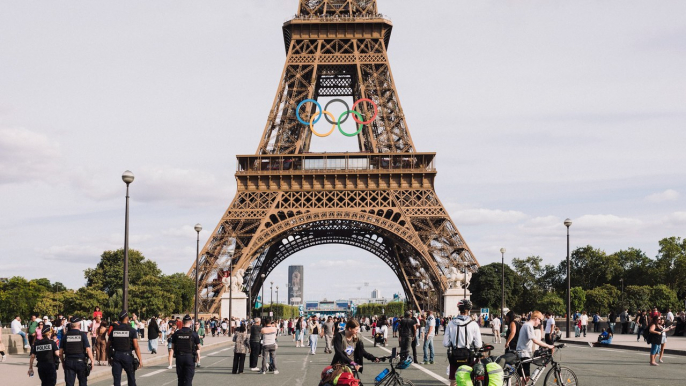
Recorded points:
(197,228)
(262,301)
(502,298)
(622,280)
(568,223)
(271,299)
(127,177)
(277,299)
(465,281)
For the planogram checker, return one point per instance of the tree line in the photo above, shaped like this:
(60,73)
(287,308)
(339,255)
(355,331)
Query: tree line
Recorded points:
(600,281)
(150,291)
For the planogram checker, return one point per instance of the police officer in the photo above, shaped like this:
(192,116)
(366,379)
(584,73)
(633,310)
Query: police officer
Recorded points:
(47,353)
(123,339)
(185,347)
(75,352)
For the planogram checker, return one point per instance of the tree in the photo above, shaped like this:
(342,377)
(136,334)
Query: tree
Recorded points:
(637,267)
(663,298)
(591,267)
(670,265)
(578,298)
(183,290)
(83,301)
(551,302)
(108,275)
(637,297)
(19,297)
(602,299)
(528,270)
(486,286)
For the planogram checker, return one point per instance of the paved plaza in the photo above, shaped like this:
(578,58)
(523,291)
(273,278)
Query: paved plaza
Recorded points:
(607,366)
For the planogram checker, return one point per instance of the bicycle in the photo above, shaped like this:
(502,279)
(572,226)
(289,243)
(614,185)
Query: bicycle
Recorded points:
(478,367)
(392,377)
(558,375)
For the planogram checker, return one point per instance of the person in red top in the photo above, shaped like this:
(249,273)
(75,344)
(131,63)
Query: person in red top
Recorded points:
(97,313)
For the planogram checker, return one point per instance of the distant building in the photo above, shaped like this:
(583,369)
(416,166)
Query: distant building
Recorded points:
(376,294)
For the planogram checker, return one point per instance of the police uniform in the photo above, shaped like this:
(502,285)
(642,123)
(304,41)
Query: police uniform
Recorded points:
(74,344)
(121,340)
(185,343)
(44,351)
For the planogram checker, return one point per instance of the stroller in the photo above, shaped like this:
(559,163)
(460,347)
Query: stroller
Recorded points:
(339,375)
(379,339)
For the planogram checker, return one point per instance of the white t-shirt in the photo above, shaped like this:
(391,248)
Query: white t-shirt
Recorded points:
(670,316)
(584,320)
(430,322)
(495,324)
(16,326)
(549,325)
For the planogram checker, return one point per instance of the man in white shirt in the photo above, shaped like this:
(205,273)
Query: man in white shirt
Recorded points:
(584,323)
(550,327)
(495,328)
(16,329)
(429,334)
(461,333)
(669,318)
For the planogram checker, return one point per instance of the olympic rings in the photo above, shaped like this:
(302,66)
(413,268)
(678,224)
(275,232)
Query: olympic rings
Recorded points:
(320,114)
(347,108)
(297,110)
(339,123)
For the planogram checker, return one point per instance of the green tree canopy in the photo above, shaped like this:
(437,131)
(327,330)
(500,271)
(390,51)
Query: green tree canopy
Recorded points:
(551,302)
(486,287)
(108,275)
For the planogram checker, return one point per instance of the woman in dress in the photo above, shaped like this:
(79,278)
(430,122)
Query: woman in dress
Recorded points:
(101,344)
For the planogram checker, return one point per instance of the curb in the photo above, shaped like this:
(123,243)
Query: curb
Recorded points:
(107,371)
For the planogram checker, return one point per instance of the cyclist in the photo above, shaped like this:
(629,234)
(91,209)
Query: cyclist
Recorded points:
(461,333)
(526,339)
(348,347)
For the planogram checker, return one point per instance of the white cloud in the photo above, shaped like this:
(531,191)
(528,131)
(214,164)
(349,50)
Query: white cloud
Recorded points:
(604,222)
(667,195)
(676,218)
(81,253)
(26,156)
(483,216)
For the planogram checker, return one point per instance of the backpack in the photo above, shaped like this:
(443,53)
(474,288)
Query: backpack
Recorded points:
(646,334)
(463,376)
(494,374)
(346,378)
(460,355)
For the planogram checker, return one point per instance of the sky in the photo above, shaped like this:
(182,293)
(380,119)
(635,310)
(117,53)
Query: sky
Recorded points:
(538,110)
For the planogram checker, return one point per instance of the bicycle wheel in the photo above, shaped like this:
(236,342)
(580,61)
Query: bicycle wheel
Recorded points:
(565,377)
(407,383)
(514,380)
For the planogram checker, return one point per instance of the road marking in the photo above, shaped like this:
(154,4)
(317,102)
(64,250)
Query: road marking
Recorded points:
(429,372)
(153,373)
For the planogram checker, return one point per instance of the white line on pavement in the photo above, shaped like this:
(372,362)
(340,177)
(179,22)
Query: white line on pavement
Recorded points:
(429,372)
(153,373)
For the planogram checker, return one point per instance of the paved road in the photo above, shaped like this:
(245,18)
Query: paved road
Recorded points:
(593,366)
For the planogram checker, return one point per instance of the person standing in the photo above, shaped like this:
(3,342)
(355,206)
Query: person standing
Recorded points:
(624,320)
(315,330)
(122,339)
(33,325)
(407,329)
(269,347)
(100,348)
(495,328)
(584,322)
(328,330)
(461,336)
(74,353)
(549,328)
(241,348)
(663,322)
(46,352)
(655,339)
(429,333)
(185,347)
(527,339)
(255,345)
(153,335)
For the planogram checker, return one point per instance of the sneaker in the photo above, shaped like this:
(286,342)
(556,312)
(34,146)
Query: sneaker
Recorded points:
(276,372)
(2,359)
(255,369)
(425,362)
(27,346)
(169,367)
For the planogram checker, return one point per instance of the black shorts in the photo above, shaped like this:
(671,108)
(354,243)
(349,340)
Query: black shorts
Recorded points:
(526,368)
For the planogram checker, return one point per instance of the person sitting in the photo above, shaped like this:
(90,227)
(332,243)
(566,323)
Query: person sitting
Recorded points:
(604,339)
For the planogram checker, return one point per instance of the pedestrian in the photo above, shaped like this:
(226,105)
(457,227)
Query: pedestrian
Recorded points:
(17,330)
(584,322)
(269,347)
(663,322)
(429,333)
(596,322)
(201,332)
(75,353)
(461,337)
(348,347)
(170,354)
(406,332)
(255,345)
(527,339)
(624,320)
(164,328)
(100,348)
(655,338)
(642,321)
(240,349)
(315,330)
(514,326)
(495,329)
(328,329)
(46,352)
(298,332)
(153,335)
(122,340)
(2,347)
(185,348)
(611,319)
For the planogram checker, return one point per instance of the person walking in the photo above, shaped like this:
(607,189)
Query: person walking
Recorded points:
(624,320)
(462,334)
(255,345)
(269,347)
(185,348)
(240,349)
(549,328)
(298,332)
(122,340)
(46,352)
(2,347)
(153,335)
(315,330)
(429,333)
(75,353)
(328,330)
(406,332)
(495,329)
(642,320)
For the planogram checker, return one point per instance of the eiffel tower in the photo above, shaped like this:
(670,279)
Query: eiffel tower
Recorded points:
(380,199)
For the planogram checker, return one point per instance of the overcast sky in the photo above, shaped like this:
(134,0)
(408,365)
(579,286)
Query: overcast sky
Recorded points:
(538,110)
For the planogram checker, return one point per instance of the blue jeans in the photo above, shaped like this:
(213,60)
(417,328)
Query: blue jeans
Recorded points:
(23,336)
(313,342)
(429,347)
(655,349)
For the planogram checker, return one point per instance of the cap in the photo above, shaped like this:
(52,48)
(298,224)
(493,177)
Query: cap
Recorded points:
(45,317)
(46,330)
(74,319)
(123,315)
(187,318)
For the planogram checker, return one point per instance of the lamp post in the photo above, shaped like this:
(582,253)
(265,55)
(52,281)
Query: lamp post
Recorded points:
(271,299)
(197,228)
(230,294)
(568,223)
(277,300)
(502,298)
(464,283)
(262,301)
(622,280)
(127,177)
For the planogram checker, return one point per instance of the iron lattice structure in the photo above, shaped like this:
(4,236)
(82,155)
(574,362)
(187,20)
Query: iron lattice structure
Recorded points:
(381,199)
